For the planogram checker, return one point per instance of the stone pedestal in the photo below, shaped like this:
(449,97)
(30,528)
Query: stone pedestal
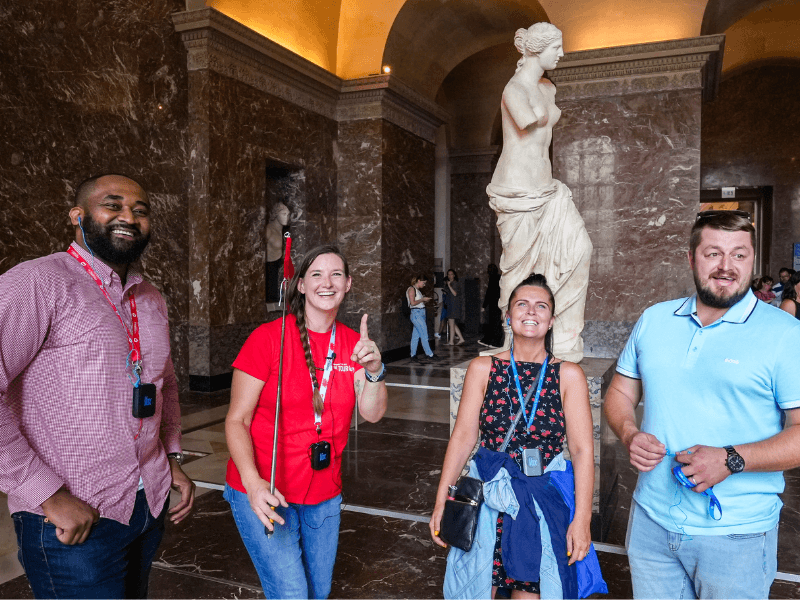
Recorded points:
(599,372)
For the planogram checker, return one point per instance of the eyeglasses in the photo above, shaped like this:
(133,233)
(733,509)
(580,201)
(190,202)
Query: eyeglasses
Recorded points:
(710,214)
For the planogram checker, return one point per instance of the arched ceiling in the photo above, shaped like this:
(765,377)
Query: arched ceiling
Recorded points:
(424,40)
(309,28)
(721,14)
(471,93)
(430,37)
(768,33)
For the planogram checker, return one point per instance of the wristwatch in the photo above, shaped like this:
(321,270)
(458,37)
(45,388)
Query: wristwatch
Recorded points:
(376,378)
(177,456)
(734,461)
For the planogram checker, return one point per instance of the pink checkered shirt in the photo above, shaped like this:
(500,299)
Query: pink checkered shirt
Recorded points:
(65,397)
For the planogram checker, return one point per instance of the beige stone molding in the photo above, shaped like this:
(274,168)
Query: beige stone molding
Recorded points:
(694,63)
(385,96)
(216,42)
(473,160)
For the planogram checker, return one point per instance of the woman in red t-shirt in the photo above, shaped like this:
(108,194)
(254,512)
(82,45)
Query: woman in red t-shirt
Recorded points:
(327,367)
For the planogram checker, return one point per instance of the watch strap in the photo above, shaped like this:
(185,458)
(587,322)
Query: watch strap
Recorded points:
(733,455)
(376,378)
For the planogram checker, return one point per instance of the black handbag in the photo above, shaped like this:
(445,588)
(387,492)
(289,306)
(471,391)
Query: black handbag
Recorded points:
(460,518)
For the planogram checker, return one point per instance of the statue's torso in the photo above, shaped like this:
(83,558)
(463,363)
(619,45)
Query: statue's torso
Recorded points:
(525,162)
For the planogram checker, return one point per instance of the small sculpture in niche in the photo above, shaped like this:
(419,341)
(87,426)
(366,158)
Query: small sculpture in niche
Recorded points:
(540,228)
(278,222)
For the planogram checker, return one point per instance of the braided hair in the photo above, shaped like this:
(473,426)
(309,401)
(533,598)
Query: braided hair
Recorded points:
(296,303)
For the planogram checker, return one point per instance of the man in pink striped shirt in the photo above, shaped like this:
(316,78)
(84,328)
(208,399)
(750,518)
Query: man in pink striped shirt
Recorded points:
(84,360)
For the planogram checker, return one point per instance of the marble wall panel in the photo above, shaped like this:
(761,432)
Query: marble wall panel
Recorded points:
(473,227)
(633,165)
(253,149)
(359,155)
(359,163)
(407,222)
(746,142)
(251,130)
(88,87)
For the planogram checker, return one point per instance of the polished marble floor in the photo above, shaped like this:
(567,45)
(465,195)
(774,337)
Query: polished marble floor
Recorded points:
(390,473)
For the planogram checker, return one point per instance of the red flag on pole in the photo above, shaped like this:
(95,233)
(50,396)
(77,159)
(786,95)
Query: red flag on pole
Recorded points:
(288,266)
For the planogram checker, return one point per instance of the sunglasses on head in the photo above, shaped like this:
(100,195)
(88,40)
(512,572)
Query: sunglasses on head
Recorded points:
(710,214)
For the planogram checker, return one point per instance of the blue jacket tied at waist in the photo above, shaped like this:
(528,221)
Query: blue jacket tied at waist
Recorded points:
(538,511)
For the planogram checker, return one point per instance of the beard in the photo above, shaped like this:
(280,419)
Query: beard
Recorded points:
(714,300)
(111,250)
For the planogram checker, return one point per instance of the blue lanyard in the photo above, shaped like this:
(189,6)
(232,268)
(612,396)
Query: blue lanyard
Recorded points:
(538,387)
(709,493)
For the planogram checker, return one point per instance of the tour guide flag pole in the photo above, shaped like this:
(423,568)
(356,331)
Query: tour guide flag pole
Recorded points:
(288,273)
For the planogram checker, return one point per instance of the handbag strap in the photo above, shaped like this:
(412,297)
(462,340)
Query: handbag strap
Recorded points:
(511,429)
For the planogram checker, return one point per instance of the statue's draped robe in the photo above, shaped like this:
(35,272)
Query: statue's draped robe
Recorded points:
(543,232)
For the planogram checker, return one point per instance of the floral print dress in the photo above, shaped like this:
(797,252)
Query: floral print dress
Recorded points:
(548,432)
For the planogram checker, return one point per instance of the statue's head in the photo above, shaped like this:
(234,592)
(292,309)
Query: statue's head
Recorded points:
(279,213)
(537,37)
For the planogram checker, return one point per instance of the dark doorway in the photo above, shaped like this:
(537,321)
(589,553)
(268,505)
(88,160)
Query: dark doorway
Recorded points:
(283,194)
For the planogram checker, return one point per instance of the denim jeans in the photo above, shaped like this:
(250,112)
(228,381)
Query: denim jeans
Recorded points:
(296,561)
(670,565)
(420,332)
(113,562)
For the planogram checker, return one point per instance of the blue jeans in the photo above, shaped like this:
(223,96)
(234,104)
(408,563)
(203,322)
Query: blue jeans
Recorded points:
(420,332)
(113,562)
(670,565)
(296,561)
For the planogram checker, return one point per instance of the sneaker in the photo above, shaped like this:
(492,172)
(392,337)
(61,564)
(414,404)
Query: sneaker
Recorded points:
(437,335)
(434,357)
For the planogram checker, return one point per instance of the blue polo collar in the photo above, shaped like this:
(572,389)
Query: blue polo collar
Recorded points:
(738,313)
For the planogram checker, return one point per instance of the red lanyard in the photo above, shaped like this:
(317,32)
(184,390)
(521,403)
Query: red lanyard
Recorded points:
(133,336)
(326,376)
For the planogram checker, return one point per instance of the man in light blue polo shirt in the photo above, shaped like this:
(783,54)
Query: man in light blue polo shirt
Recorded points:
(713,395)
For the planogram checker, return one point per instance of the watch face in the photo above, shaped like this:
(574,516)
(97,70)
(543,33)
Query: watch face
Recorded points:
(735,463)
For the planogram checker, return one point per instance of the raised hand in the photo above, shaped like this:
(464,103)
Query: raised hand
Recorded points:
(366,351)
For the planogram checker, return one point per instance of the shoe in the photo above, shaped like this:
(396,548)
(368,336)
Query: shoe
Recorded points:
(434,357)
(437,335)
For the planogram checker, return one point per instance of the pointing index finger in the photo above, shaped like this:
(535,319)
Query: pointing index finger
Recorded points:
(364,329)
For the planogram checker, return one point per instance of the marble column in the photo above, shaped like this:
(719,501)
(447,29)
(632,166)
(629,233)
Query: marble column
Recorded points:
(353,161)
(474,240)
(386,189)
(262,129)
(628,146)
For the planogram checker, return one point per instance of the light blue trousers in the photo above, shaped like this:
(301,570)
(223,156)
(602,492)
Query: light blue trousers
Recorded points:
(671,565)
